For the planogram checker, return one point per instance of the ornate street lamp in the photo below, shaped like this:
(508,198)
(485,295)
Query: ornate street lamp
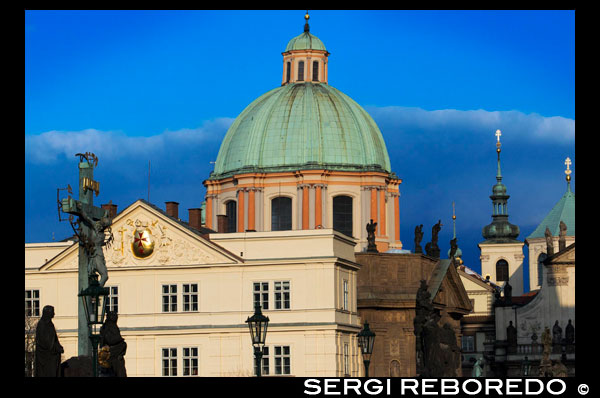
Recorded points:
(258,332)
(525,367)
(366,339)
(94,298)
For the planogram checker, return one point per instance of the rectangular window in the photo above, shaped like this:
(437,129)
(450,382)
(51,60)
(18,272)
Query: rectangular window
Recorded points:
(261,294)
(315,71)
(345,295)
(32,302)
(169,298)
(190,361)
(346,360)
(468,343)
(282,295)
(265,361)
(282,360)
(301,70)
(190,297)
(112,300)
(169,361)
(289,70)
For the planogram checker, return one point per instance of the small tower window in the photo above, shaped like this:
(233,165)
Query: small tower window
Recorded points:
(231,212)
(301,70)
(342,214)
(288,73)
(281,214)
(540,275)
(501,271)
(315,71)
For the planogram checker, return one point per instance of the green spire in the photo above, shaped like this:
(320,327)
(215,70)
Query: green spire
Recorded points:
(500,230)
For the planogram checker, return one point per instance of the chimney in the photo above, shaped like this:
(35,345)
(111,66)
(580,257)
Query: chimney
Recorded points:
(195,219)
(222,223)
(173,209)
(112,209)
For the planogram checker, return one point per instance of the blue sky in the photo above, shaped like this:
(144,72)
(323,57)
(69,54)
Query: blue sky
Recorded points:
(164,86)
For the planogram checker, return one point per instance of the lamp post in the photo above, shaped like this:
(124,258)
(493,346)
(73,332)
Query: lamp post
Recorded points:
(93,298)
(525,367)
(258,332)
(366,339)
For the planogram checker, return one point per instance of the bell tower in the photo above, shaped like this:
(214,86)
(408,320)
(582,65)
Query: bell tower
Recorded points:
(501,253)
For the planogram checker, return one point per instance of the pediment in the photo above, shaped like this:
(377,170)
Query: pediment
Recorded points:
(452,293)
(168,242)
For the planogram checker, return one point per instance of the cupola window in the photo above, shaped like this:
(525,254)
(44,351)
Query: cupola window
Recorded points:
(231,212)
(342,214)
(281,214)
(288,72)
(315,71)
(301,70)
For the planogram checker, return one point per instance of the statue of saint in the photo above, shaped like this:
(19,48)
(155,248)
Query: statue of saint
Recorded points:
(547,341)
(549,243)
(511,335)
(562,236)
(110,335)
(93,244)
(47,347)
(435,230)
(570,333)
(453,247)
(371,247)
(507,293)
(556,333)
(418,238)
(477,370)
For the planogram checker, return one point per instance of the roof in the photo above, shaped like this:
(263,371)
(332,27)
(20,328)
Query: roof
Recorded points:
(563,211)
(305,41)
(302,126)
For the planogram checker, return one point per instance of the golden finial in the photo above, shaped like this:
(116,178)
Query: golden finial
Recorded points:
(453,215)
(568,170)
(306,17)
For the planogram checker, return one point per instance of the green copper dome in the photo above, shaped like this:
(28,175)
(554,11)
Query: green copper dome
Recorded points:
(302,126)
(563,211)
(305,41)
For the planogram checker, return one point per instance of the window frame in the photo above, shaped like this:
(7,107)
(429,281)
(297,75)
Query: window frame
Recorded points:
(171,361)
(280,359)
(503,266)
(315,71)
(190,295)
(342,221)
(261,292)
(279,220)
(346,295)
(171,297)
(33,300)
(282,294)
(469,342)
(300,71)
(188,361)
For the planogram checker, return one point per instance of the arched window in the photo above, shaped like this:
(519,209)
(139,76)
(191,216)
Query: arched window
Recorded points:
(342,214)
(501,271)
(281,214)
(301,70)
(315,71)
(540,268)
(288,72)
(231,212)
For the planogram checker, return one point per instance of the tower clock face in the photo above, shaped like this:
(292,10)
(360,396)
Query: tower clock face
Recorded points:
(143,243)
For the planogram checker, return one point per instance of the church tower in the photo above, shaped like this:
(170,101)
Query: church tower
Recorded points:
(501,253)
(305,156)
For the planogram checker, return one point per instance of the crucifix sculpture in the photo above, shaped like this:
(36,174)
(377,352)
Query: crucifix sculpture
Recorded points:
(93,232)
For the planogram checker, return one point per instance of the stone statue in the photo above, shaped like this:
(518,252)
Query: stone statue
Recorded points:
(562,236)
(556,333)
(432,247)
(47,347)
(371,247)
(547,340)
(423,310)
(110,335)
(453,247)
(570,333)
(477,370)
(418,238)
(549,243)
(94,242)
(559,369)
(511,336)
(507,293)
